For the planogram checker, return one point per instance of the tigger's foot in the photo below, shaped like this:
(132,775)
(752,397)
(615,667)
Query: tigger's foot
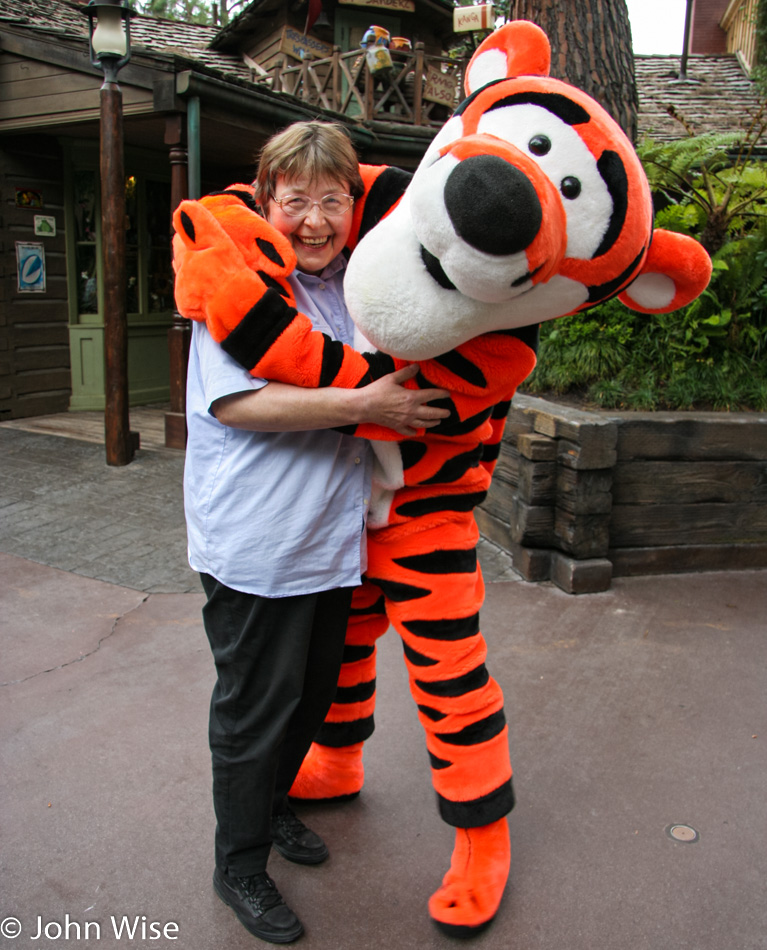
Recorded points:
(329,774)
(472,889)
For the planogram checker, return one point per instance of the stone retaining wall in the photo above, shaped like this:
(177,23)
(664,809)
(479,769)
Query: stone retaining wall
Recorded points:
(579,497)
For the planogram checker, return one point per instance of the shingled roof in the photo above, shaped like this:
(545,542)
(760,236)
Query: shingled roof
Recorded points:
(716,96)
(254,12)
(51,16)
(190,41)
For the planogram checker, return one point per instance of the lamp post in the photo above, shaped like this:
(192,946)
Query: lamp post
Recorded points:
(686,41)
(109,39)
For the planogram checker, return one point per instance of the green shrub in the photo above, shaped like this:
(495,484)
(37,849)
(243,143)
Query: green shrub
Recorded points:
(712,354)
(709,355)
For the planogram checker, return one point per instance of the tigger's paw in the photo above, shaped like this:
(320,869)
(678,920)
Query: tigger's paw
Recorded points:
(472,889)
(329,774)
(226,259)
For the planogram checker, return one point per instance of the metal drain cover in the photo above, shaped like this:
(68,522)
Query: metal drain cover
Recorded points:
(684,833)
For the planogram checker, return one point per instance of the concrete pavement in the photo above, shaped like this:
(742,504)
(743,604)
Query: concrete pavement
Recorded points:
(631,712)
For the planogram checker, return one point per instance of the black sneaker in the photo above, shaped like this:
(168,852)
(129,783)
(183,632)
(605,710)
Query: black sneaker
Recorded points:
(259,906)
(294,841)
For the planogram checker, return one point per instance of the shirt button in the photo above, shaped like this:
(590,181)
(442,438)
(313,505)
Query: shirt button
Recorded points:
(357,461)
(322,286)
(364,501)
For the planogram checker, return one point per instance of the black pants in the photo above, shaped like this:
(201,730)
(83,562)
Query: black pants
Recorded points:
(277,662)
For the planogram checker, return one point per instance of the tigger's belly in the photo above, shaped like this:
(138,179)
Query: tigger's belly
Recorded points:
(445,476)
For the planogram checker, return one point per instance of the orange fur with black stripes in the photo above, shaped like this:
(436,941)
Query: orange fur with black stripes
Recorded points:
(528,205)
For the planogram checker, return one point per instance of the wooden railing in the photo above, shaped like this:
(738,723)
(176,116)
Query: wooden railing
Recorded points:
(420,90)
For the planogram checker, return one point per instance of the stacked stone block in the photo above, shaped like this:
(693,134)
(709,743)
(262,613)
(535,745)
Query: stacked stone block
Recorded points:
(550,501)
(579,497)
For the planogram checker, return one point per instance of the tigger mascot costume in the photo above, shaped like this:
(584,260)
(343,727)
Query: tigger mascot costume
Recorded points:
(529,204)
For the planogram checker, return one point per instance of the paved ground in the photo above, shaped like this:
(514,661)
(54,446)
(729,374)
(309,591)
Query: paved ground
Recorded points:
(630,712)
(61,505)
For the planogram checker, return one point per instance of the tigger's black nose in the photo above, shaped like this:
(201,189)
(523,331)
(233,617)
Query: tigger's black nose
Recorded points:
(493,205)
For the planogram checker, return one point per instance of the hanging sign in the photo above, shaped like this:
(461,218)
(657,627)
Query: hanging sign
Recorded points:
(479,17)
(403,6)
(439,87)
(300,46)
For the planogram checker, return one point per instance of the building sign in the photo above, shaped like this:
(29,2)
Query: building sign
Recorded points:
(45,225)
(300,46)
(439,87)
(30,268)
(398,6)
(473,18)
(28,198)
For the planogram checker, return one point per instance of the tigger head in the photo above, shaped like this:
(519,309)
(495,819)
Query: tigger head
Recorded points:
(529,204)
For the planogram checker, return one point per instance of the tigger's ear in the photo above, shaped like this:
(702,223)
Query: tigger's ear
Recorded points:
(519,48)
(676,271)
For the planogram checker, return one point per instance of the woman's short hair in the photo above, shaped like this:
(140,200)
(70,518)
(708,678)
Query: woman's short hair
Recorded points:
(315,149)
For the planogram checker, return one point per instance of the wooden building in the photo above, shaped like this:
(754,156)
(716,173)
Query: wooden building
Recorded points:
(725,26)
(198,102)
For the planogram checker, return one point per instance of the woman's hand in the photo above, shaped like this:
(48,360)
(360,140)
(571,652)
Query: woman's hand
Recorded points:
(388,402)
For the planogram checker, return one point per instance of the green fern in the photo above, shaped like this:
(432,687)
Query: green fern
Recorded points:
(715,174)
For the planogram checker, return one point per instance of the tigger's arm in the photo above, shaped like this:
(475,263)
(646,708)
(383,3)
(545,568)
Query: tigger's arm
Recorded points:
(231,268)
(231,271)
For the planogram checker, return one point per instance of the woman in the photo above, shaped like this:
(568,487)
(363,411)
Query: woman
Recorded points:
(276,503)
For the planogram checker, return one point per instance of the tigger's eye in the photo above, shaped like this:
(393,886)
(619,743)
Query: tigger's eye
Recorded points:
(540,145)
(570,187)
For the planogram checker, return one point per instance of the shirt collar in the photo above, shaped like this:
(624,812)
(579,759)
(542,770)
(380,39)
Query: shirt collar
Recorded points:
(334,267)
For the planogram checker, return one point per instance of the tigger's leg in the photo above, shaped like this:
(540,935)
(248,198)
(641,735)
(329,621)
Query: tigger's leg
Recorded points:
(332,769)
(428,571)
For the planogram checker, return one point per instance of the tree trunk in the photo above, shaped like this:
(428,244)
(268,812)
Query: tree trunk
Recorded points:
(591,49)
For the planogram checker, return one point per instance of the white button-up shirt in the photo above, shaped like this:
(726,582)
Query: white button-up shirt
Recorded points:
(274,513)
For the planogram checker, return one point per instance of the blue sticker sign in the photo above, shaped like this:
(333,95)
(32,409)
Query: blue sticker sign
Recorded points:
(30,263)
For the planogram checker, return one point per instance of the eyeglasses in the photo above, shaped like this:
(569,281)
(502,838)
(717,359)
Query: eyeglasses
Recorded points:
(298,206)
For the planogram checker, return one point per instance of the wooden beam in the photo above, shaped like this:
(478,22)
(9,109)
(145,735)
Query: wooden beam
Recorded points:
(180,333)
(119,447)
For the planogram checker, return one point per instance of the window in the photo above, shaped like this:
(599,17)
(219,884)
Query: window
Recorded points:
(159,266)
(149,273)
(85,211)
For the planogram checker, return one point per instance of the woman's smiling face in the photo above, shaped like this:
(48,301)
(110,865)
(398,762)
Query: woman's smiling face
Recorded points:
(317,238)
